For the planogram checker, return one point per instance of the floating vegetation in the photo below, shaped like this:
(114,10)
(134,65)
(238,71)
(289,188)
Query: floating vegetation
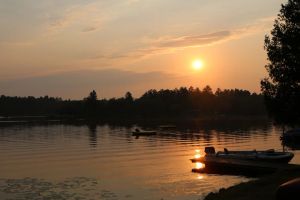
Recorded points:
(78,188)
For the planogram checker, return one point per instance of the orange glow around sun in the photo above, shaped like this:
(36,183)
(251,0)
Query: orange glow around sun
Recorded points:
(197,64)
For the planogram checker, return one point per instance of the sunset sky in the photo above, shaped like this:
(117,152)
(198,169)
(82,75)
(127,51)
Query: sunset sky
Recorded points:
(67,48)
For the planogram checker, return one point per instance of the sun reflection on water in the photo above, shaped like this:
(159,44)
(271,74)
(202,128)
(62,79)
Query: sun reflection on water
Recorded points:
(199,165)
(200,177)
(197,154)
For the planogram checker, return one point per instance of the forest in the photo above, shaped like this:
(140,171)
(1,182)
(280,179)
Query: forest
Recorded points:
(179,102)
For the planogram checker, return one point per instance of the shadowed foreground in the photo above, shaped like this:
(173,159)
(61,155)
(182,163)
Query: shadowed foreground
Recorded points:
(261,189)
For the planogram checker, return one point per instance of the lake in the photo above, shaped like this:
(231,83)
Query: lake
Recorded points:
(88,160)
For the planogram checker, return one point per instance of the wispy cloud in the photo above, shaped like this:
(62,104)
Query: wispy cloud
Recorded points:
(192,41)
(90,29)
(88,18)
(166,45)
(169,45)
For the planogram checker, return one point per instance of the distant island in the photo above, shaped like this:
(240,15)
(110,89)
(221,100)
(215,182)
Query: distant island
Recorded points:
(179,102)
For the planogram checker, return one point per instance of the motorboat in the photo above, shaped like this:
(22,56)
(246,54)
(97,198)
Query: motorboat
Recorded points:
(138,132)
(167,126)
(265,156)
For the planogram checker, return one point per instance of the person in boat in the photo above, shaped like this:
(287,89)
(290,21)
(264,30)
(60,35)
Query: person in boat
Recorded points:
(226,151)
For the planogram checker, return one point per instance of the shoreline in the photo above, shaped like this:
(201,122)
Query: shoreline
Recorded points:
(129,118)
(206,122)
(263,188)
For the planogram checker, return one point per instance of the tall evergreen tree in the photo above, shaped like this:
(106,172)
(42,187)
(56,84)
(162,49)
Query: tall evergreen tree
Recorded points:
(128,97)
(91,103)
(282,88)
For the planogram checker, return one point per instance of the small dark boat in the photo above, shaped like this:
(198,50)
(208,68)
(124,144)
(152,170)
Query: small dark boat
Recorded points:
(167,127)
(138,132)
(265,156)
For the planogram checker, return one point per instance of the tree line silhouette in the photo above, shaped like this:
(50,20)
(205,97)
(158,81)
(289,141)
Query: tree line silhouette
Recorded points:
(179,102)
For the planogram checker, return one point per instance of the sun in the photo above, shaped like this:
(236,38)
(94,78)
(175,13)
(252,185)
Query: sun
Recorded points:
(197,64)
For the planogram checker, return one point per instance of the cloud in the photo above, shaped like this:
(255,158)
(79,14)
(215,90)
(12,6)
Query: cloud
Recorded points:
(167,44)
(77,84)
(170,45)
(147,47)
(260,25)
(89,29)
(88,17)
(192,41)
(164,46)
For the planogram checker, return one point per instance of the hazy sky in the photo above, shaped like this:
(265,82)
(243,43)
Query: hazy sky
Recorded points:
(69,47)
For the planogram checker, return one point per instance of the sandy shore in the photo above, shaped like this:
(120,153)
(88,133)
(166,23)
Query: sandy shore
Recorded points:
(260,189)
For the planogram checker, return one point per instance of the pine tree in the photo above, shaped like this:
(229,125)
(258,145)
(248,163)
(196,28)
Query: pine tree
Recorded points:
(282,88)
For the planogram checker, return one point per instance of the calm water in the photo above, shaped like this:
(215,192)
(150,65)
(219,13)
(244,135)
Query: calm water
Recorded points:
(58,160)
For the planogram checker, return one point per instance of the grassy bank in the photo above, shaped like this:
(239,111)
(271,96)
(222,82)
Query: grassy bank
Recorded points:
(260,189)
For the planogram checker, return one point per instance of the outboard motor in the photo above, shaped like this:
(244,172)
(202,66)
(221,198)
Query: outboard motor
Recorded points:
(209,150)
